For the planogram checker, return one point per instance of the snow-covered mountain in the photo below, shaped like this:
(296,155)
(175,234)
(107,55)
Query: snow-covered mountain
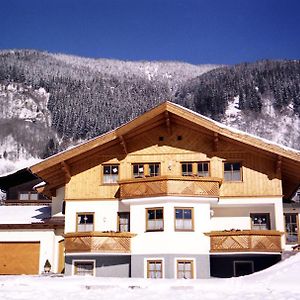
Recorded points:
(51,101)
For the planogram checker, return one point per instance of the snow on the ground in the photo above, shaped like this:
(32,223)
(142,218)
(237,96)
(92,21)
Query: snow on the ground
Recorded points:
(279,282)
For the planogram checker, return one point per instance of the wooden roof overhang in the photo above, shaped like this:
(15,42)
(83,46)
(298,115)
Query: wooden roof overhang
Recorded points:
(58,169)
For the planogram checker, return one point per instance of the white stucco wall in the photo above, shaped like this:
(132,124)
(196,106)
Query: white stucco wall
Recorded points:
(234,213)
(105,214)
(169,241)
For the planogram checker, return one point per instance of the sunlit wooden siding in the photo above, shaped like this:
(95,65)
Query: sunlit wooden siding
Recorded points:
(259,171)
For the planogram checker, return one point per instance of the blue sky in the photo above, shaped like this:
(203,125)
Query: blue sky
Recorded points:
(195,31)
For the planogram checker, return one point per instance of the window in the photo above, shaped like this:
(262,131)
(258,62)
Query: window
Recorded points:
(28,196)
(110,173)
(184,219)
(84,268)
(232,171)
(154,219)
(185,269)
(154,269)
(138,170)
(260,221)
(145,170)
(202,169)
(85,222)
(291,228)
(154,170)
(123,222)
(195,168)
(187,169)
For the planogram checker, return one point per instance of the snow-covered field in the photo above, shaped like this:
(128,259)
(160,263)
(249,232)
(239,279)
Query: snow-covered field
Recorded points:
(278,282)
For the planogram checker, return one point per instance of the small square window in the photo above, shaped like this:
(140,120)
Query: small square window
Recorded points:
(110,173)
(202,169)
(185,269)
(138,170)
(154,269)
(186,169)
(85,222)
(154,219)
(154,170)
(183,219)
(232,171)
(260,221)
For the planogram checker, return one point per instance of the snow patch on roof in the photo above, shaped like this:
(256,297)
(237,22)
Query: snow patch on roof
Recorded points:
(234,130)
(24,214)
(8,167)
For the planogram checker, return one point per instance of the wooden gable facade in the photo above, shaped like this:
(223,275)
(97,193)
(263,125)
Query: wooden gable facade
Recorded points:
(170,135)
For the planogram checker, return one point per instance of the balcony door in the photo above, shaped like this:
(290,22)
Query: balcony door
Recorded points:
(124,222)
(291,228)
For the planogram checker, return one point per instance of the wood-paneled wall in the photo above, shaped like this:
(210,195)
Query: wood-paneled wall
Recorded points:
(260,177)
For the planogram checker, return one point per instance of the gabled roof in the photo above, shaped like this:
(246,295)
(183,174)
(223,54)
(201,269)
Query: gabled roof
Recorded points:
(56,169)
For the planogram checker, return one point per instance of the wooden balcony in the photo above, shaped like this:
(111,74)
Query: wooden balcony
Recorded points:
(170,186)
(101,242)
(245,241)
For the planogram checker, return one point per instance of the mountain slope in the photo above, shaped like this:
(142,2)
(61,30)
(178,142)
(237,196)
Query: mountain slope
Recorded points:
(51,101)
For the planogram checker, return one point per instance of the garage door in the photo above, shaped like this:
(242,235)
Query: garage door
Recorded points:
(19,258)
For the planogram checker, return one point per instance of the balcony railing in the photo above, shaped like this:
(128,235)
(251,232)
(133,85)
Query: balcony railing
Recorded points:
(170,186)
(245,241)
(101,242)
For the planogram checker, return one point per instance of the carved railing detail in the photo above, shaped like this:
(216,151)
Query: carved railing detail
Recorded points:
(245,241)
(102,242)
(170,186)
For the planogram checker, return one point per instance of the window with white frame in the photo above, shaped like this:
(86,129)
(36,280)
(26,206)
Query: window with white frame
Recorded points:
(110,174)
(185,269)
(85,222)
(84,268)
(184,218)
(155,219)
(154,269)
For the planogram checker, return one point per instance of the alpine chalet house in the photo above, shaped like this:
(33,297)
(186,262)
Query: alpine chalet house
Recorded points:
(29,236)
(172,194)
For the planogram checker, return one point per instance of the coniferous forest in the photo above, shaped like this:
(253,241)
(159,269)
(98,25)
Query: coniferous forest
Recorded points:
(85,97)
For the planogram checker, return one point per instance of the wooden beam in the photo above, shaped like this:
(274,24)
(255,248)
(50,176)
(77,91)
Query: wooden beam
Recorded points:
(278,165)
(168,122)
(216,141)
(123,143)
(65,167)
